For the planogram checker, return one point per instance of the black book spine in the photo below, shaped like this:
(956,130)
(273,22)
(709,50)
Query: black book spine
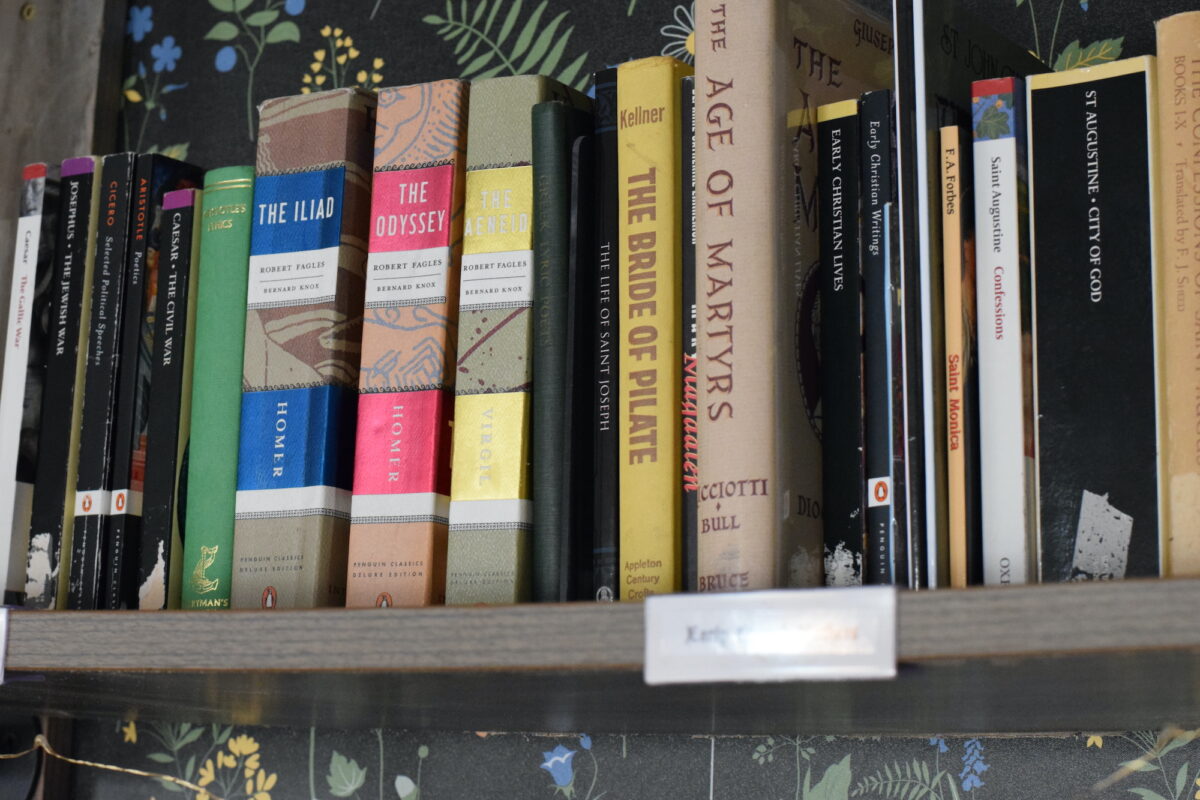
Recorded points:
(94,482)
(690,475)
(605,529)
(843,478)
(579,400)
(154,176)
(172,346)
(50,489)
(1094,317)
(877,190)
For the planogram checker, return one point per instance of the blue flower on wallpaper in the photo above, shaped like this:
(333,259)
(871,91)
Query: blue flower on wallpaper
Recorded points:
(140,22)
(973,765)
(940,743)
(294,7)
(585,742)
(558,764)
(1083,4)
(166,53)
(226,59)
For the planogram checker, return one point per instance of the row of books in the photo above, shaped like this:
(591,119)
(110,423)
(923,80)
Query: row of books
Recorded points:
(503,341)
(248,391)
(1066,404)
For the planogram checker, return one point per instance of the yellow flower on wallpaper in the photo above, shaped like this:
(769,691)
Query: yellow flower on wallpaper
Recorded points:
(208,773)
(259,787)
(251,765)
(243,745)
(1095,741)
(130,731)
(335,62)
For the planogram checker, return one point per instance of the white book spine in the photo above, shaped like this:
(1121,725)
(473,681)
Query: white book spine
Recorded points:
(1004,465)
(16,502)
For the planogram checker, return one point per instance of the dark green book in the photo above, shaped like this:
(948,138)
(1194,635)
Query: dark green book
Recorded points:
(555,127)
(220,336)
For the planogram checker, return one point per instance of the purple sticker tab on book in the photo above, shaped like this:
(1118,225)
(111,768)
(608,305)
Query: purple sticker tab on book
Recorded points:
(180,198)
(82,165)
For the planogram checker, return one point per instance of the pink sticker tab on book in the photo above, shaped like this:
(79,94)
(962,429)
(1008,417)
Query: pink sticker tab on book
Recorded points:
(403,443)
(410,209)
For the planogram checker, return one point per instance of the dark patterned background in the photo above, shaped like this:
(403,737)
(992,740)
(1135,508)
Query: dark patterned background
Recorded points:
(193,69)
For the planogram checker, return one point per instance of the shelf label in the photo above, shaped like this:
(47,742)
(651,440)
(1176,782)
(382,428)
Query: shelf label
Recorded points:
(784,635)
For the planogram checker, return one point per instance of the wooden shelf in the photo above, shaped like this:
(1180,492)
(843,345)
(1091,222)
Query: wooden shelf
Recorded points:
(1097,656)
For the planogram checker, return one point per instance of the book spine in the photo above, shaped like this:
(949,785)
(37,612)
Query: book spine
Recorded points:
(1178,141)
(605,498)
(958,312)
(94,483)
(554,126)
(650,303)
(884,525)
(577,445)
(216,398)
(25,352)
(304,299)
(159,557)
(842,442)
(1096,298)
(52,517)
(488,553)
(1002,290)
(400,507)
(154,176)
(690,474)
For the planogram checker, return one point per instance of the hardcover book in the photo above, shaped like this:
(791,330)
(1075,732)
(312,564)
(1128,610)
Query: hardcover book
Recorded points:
(95,479)
(304,300)
(941,47)
(886,560)
(606,356)
(25,352)
(1002,293)
(759,395)
(649,110)
(842,409)
(400,507)
(962,372)
(168,425)
(52,518)
(226,207)
(488,553)
(1097,363)
(154,176)
(555,126)
(1179,195)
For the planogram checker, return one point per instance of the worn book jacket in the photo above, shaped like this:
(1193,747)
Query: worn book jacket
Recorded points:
(26,346)
(400,508)
(52,518)
(216,397)
(1179,196)
(308,252)
(1096,283)
(488,553)
(759,396)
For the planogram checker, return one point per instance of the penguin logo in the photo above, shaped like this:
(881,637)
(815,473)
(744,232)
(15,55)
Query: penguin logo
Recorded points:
(269,597)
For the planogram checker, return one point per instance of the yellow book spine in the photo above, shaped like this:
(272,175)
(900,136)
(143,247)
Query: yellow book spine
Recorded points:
(650,306)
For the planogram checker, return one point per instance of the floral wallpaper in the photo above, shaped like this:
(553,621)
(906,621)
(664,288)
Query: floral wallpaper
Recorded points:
(246,763)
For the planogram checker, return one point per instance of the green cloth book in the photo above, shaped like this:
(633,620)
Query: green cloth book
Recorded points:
(224,231)
(555,127)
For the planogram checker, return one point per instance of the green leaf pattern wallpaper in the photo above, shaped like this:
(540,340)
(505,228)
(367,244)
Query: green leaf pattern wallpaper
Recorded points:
(194,75)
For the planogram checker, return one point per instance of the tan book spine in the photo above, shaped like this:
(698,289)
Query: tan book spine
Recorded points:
(952,264)
(1179,197)
(759,523)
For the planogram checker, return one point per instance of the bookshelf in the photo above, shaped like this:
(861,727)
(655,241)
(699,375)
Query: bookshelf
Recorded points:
(1091,657)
